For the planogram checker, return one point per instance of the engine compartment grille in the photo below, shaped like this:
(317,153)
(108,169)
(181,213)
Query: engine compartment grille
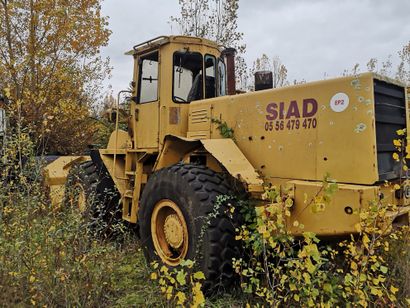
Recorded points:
(390,114)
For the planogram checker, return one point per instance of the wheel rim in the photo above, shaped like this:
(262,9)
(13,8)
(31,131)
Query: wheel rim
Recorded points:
(169,232)
(78,198)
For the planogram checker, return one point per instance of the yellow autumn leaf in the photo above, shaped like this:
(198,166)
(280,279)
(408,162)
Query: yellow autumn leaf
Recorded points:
(353,265)
(198,297)
(199,275)
(397,142)
(393,289)
(154,276)
(181,298)
(306,276)
(396,157)
(171,280)
(169,292)
(366,241)
(376,291)
(32,279)
(164,269)
(262,229)
(401,132)
(396,187)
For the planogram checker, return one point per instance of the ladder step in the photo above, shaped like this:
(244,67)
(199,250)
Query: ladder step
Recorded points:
(133,151)
(128,218)
(129,172)
(129,194)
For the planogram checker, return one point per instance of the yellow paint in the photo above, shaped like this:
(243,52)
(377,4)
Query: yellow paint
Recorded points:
(303,153)
(286,136)
(169,232)
(56,175)
(227,153)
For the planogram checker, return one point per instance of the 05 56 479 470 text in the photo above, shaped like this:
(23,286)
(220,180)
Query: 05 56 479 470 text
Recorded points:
(293,124)
(281,116)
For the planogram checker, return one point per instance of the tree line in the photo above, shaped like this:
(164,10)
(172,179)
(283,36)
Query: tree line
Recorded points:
(52,70)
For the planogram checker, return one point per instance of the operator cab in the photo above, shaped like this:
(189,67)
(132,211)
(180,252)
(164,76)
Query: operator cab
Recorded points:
(170,72)
(184,59)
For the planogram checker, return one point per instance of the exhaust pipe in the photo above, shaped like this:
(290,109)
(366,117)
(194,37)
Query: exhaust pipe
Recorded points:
(229,54)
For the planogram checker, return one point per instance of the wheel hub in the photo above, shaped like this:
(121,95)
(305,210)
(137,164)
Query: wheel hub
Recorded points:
(173,231)
(169,232)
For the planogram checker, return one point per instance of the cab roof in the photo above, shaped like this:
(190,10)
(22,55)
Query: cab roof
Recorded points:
(162,40)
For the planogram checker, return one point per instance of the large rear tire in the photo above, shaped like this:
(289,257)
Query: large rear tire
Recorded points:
(180,219)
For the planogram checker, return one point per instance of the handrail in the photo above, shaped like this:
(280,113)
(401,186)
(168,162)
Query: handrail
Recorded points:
(117,118)
(149,42)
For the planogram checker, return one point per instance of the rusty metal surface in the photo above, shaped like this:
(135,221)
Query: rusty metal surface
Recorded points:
(229,54)
(174,115)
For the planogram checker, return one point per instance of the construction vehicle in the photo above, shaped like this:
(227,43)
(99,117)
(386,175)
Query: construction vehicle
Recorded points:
(190,139)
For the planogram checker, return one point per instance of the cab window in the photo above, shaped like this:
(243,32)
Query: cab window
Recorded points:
(148,78)
(210,74)
(221,78)
(187,77)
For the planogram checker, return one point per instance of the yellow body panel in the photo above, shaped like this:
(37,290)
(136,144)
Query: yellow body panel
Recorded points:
(56,174)
(339,143)
(334,220)
(147,125)
(229,155)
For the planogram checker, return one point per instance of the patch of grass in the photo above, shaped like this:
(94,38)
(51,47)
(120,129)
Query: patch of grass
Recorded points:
(48,258)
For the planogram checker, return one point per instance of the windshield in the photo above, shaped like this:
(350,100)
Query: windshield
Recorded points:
(187,77)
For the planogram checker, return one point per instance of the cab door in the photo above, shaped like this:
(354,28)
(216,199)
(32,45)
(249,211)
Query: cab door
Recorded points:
(146,134)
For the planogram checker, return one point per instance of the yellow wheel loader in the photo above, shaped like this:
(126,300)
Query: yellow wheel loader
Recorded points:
(191,138)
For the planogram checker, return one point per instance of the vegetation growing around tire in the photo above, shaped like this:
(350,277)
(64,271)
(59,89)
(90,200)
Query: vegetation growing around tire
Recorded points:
(93,192)
(211,232)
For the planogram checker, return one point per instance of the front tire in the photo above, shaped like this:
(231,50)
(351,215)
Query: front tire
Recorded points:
(180,219)
(92,191)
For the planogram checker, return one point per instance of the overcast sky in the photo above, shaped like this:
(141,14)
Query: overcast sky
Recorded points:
(311,37)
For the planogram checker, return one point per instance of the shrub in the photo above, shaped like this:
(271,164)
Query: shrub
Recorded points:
(282,270)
